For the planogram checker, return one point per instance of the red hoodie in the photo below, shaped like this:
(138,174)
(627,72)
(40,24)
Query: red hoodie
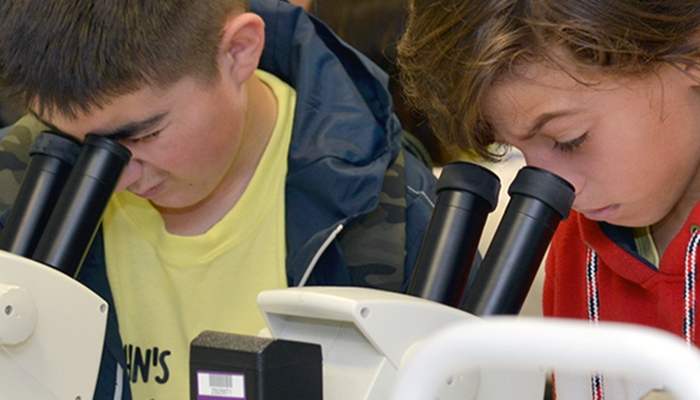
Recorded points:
(629,289)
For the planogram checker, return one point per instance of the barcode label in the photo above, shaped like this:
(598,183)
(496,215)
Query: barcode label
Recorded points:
(220,385)
(220,380)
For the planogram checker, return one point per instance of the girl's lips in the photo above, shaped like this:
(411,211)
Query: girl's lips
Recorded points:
(601,214)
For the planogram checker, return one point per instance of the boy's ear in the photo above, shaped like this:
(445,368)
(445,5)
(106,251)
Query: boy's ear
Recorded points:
(241,45)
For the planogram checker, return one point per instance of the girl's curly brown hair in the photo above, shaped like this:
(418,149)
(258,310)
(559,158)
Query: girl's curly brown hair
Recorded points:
(454,50)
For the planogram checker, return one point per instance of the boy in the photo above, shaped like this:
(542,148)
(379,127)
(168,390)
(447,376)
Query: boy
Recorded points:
(606,95)
(241,179)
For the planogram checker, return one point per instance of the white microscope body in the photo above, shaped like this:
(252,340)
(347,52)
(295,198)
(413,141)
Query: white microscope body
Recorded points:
(380,345)
(51,333)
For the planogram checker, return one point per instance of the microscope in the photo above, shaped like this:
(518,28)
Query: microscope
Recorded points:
(438,341)
(51,327)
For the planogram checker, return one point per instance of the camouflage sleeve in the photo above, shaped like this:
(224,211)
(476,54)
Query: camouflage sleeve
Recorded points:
(14,157)
(375,248)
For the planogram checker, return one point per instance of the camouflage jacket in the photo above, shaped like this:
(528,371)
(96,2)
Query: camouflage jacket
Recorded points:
(14,157)
(345,135)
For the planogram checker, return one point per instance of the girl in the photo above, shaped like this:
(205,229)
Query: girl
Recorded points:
(603,93)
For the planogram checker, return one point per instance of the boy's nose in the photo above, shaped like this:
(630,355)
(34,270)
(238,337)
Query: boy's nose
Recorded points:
(132,172)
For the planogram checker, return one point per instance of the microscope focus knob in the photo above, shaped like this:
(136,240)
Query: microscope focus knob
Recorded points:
(18,314)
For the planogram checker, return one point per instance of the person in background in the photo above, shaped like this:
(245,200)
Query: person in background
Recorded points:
(266,154)
(605,94)
(373,27)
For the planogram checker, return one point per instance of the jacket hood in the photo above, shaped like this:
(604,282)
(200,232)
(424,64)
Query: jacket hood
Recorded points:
(345,132)
(337,86)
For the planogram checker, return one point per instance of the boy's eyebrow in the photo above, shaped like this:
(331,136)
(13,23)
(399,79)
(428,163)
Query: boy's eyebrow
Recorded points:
(132,129)
(544,119)
(123,131)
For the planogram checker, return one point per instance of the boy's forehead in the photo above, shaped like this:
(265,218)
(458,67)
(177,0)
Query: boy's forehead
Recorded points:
(49,108)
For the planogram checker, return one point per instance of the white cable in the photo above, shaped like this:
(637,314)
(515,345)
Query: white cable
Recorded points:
(320,251)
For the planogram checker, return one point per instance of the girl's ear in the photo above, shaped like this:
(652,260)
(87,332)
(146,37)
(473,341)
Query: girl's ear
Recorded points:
(693,72)
(241,45)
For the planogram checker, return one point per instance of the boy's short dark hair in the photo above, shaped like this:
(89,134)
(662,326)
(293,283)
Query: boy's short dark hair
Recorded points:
(69,55)
(454,50)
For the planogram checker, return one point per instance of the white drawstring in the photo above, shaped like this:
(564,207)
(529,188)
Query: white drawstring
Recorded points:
(688,297)
(320,251)
(597,392)
(689,288)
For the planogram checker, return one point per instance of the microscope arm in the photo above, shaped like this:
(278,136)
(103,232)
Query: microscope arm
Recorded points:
(565,345)
(51,333)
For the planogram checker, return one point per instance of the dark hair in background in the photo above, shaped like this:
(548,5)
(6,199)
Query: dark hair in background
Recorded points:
(373,28)
(69,55)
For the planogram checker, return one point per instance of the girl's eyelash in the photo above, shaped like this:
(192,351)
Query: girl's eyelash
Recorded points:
(572,145)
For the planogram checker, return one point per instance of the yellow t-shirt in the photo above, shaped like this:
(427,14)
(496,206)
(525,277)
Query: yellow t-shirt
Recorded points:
(167,288)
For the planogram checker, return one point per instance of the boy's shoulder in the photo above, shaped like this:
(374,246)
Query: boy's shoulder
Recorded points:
(15,142)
